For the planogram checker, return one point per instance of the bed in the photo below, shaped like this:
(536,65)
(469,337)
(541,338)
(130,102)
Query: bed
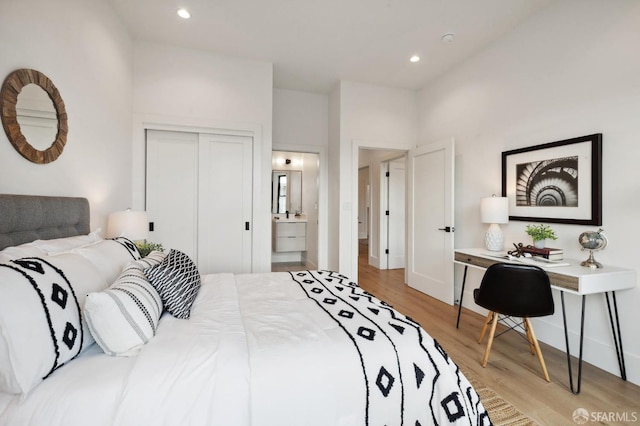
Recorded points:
(287,348)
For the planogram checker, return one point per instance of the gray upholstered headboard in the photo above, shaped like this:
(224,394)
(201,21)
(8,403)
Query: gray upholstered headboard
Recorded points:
(25,218)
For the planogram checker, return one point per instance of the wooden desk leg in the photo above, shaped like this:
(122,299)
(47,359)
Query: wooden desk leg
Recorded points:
(464,280)
(575,391)
(617,336)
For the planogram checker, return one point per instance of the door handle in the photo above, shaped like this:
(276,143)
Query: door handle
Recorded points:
(447,229)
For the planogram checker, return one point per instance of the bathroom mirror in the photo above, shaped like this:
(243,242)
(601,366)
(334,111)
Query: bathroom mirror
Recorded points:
(33,115)
(286,191)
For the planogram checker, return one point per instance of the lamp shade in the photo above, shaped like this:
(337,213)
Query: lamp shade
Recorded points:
(131,224)
(494,210)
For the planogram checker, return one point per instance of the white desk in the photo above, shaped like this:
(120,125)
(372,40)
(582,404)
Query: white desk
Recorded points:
(573,279)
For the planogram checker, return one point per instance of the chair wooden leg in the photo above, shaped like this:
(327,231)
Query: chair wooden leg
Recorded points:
(532,347)
(484,327)
(490,341)
(537,347)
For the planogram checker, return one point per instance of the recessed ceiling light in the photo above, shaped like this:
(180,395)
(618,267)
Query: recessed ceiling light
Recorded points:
(184,13)
(414,58)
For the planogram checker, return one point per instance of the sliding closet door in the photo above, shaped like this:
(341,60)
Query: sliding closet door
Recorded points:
(225,225)
(199,197)
(172,190)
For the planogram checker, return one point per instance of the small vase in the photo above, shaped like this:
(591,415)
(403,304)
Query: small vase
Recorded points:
(539,243)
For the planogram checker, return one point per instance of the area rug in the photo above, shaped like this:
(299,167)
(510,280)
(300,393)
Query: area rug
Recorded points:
(500,411)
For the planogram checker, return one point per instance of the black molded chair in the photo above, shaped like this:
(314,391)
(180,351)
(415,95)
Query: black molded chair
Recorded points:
(515,291)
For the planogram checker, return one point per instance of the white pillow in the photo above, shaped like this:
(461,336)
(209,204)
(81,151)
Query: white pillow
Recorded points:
(39,248)
(109,256)
(40,317)
(23,250)
(125,316)
(58,245)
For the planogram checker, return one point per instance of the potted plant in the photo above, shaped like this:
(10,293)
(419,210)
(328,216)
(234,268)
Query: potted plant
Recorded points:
(540,233)
(145,247)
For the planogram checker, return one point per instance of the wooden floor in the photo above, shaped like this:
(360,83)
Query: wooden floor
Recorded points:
(512,371)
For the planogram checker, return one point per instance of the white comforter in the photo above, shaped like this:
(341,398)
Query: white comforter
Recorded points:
(263,349)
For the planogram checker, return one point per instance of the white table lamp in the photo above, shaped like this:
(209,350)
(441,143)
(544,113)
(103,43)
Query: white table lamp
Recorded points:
(131,224)
(494,210)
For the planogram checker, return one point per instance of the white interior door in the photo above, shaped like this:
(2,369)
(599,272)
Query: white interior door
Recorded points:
(430,220)
(172,190)
(225,209)
(396,217)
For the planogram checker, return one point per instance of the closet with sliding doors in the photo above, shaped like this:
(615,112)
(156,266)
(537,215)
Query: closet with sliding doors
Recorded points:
(199,197)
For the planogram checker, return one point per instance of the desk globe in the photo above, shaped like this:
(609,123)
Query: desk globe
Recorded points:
(592,241)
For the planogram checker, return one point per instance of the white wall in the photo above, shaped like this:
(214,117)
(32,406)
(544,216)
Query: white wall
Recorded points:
(333,200)
(569,71)
(370,117)
(82,47)
(201,91)
(300,118)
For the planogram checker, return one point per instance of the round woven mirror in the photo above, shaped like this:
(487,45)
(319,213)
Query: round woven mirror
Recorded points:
(13,115)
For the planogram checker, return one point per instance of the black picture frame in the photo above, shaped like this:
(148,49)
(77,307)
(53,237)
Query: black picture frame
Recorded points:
(555,182)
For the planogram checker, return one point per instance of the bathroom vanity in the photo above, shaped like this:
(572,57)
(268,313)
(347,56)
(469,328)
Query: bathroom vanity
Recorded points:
(289,235)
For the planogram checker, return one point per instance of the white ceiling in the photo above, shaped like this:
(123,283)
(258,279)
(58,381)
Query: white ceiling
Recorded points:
(315,43)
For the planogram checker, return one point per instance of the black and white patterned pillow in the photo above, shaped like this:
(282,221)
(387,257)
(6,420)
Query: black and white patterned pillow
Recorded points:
(178,281)
(40,322)
(42,326)
(125,316)
(131,247)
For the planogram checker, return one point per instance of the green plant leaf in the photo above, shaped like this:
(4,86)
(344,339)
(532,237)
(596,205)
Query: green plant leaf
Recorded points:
(145,247)
(541,232)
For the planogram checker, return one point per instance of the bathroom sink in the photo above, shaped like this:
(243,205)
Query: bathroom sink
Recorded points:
(292,218)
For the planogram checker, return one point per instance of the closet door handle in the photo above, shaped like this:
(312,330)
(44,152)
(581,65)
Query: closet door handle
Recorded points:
(447,229)
(246,226)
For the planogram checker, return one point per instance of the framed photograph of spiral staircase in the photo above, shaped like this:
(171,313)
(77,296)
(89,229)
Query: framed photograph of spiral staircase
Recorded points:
(556,182)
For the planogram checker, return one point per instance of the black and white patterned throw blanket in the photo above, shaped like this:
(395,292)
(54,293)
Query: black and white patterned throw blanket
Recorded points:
(410,379)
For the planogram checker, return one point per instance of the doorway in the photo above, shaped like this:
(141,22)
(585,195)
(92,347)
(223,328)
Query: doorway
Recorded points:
(295,210)
(381,205)
(429,227)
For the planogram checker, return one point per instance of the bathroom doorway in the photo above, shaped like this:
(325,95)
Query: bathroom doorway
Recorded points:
(295,194)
